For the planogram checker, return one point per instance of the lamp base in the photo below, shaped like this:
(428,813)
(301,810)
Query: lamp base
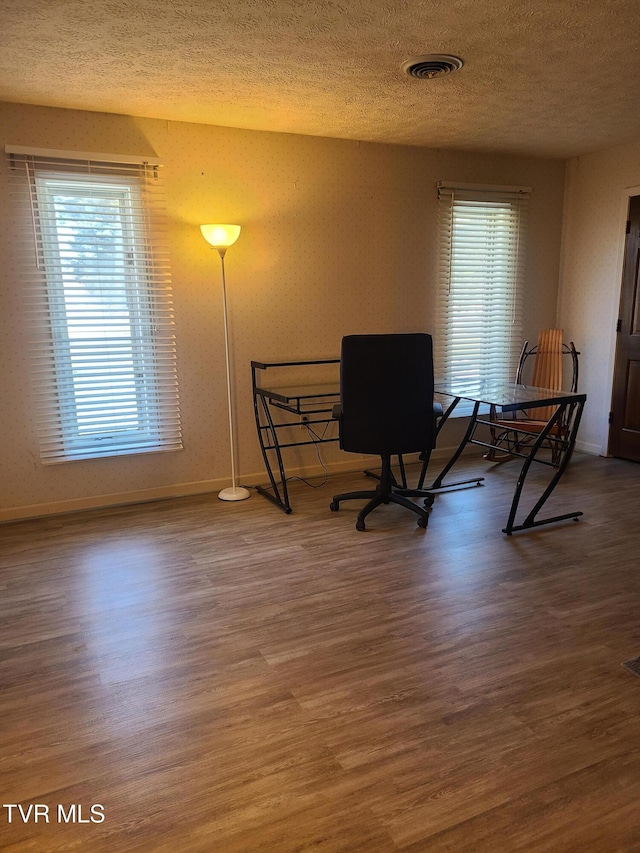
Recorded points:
(234,493)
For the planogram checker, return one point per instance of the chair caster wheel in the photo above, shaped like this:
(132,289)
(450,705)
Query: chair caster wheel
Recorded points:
(334,506)
(360,525)
(429,500)
(423,522)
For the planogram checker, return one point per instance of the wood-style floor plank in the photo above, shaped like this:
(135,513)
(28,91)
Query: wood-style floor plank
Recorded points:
(223,677)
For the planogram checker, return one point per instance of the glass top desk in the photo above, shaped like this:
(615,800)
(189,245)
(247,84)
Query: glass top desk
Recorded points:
(280,407)
(509,397)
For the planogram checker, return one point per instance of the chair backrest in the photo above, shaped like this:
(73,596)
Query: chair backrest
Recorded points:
(547,369)
(386,393)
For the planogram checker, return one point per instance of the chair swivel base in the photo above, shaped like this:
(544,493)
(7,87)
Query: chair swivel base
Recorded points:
(375,501)
(384,494)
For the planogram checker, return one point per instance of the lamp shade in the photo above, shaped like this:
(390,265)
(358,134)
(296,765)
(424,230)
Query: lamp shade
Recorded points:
(220,236)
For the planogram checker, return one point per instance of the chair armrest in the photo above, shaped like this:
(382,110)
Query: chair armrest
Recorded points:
(437,414)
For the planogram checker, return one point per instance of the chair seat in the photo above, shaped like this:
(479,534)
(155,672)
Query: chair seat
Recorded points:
(528,426)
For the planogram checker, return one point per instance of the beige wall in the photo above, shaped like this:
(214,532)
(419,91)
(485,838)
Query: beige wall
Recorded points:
(338,237)
(597,192)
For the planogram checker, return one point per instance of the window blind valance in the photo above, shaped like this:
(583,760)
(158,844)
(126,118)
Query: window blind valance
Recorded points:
(79,156)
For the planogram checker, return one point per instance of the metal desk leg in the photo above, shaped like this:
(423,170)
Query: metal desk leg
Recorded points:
(279,494)
(437,483)
(575,414)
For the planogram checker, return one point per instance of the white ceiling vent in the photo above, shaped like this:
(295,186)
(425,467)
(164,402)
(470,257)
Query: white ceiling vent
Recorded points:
(431,65)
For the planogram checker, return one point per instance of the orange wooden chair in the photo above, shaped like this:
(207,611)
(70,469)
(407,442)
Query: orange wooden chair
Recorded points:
(512,434)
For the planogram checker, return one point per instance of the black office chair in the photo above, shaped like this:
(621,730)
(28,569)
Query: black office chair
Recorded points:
(386,408)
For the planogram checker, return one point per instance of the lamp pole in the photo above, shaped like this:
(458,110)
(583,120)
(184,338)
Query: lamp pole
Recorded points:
(221,237)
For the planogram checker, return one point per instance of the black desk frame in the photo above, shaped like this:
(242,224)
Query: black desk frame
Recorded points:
(308,401)
(304,402)
(569,411)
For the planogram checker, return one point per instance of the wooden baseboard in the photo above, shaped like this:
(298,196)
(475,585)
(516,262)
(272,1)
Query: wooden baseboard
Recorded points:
(353,463)
(174,490)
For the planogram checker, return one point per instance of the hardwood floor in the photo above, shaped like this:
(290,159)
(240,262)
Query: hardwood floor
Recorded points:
(223,677)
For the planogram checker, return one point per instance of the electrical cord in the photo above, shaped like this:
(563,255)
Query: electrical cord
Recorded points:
(317,440)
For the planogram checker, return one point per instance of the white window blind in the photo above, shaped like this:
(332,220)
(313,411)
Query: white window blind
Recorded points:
(97,278)
(482,234)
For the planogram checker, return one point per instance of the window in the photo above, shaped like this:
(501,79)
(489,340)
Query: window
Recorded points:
(103,321)
(479,317)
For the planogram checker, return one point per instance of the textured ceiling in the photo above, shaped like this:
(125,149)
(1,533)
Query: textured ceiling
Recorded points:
(543,77)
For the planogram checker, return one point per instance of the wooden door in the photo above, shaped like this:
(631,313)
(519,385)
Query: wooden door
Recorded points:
(624,432)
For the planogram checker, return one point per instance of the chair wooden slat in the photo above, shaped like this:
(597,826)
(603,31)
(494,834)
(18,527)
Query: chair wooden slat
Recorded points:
(547,368)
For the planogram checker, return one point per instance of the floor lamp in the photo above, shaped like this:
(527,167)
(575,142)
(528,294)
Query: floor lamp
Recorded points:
(221,237)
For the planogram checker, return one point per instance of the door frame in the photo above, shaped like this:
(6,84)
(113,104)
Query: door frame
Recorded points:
(626,195)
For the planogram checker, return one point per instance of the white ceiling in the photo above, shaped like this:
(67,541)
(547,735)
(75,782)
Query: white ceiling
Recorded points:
(552,78)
